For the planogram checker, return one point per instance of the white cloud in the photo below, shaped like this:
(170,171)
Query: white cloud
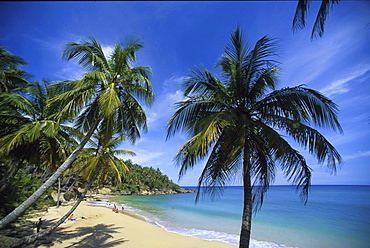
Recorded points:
(340,86)
(70,71)
(357,155)
(176,97)
(163,108)
(172,84)
(143,157)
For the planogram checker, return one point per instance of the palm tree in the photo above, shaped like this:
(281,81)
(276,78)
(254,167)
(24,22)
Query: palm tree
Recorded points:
(108,96)
(299,20)
(36,137)
(103,156)
(237,122)
(11,77)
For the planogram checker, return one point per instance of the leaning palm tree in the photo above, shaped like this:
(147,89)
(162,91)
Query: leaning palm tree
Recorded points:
(237,123)
(108,96)
(299,20)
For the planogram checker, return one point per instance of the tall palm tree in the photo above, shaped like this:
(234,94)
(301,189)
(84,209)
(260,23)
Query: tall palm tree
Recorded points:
(238,124)
(299,20)
(108,96)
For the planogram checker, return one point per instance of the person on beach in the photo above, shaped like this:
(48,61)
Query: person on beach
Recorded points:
(39,225)
(72,218)
(115,209)
(123,209)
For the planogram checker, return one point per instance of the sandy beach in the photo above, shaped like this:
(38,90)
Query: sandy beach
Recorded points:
(101,227)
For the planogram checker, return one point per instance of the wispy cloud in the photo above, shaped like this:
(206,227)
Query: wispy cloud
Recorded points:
(70,71)
(357,155)
(145,157)
(163,108)
(172,84)
(341,86)
(176,96)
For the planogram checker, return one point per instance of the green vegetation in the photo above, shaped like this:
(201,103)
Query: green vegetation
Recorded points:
(19,189)
(145,179)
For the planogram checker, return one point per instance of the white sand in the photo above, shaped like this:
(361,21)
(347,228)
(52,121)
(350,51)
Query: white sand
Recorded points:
(104,228)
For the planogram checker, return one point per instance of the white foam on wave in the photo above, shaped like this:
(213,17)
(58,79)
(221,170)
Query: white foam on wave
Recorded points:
(192,232)
(219,236)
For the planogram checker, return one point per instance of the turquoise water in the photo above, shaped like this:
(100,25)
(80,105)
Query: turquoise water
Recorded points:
(334,217)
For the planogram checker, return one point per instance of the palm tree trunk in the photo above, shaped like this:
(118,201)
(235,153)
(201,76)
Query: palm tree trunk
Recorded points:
(245,232)
(40,191)
(58,198)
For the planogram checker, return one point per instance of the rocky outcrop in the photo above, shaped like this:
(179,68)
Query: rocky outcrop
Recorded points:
(184,190)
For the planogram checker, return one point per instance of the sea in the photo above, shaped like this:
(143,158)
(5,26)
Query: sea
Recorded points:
(334,216)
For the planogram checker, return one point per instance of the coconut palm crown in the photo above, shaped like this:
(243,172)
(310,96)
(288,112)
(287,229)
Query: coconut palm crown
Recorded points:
(111,90)
(238,124)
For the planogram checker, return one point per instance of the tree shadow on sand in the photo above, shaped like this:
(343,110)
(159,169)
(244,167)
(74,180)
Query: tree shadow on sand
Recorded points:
(94,236)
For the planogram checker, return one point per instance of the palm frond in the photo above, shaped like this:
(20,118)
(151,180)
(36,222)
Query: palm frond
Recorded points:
(266,80)
(89,54)
(291,161)
(109,100)
(86,119)
(131,118)
(18,102)
(302,104)
(318,28)
(222,165)
(299,20)
(315,143)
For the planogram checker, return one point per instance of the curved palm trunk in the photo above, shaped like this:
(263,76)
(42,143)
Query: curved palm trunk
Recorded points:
(40,191)
(245,232)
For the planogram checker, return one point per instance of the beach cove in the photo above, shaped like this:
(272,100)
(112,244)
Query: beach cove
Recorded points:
(97,226)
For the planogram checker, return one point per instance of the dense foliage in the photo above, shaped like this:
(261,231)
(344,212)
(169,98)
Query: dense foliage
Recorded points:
(19,189)
(145,178)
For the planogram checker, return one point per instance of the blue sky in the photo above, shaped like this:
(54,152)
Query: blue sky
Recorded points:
(180,35)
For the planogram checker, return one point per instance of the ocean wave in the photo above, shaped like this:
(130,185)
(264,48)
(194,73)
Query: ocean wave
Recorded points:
(220,236)
(191,232)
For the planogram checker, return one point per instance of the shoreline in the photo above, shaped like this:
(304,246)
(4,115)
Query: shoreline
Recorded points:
(101,227)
